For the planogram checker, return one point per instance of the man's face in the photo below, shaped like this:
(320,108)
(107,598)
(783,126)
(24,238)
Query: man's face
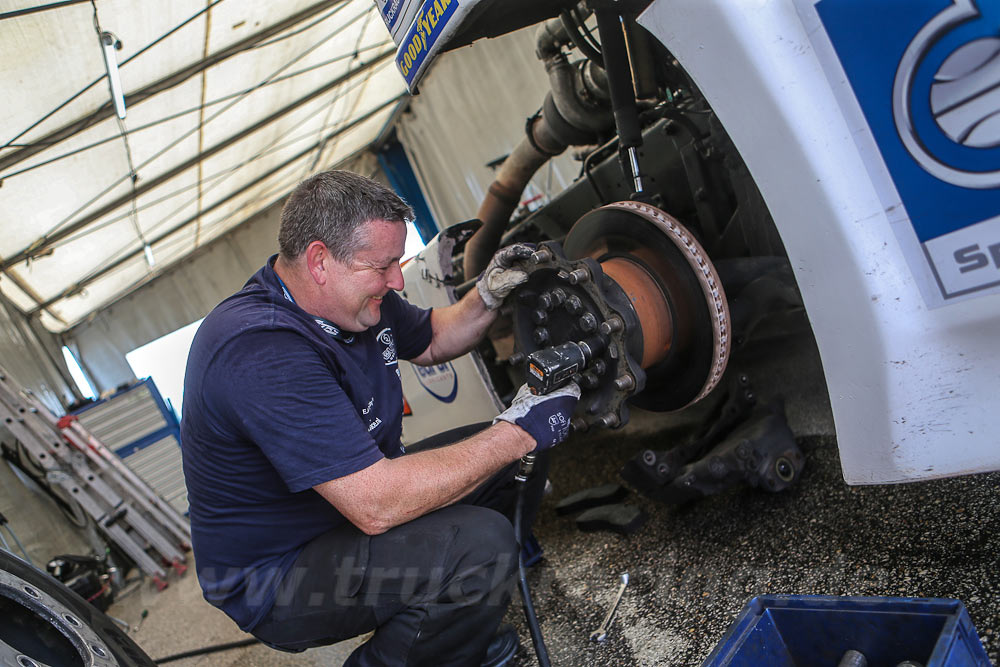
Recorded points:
(354,289)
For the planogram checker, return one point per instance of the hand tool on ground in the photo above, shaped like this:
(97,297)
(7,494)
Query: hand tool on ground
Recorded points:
(142,617)
(601,633)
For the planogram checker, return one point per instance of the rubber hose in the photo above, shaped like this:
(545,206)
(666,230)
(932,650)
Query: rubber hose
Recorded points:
(207,649)
(522,582)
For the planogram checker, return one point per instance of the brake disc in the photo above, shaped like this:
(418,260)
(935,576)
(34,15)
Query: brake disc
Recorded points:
(635,283)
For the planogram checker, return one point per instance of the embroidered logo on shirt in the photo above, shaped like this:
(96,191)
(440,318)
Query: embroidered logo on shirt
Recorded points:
(374,424)
(389,351)
(334,331)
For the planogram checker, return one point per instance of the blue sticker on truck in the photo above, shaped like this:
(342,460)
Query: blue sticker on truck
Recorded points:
(926,74)
(425,30)
(440,381)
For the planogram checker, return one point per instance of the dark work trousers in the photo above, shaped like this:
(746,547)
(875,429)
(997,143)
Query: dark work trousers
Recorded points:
(434,589)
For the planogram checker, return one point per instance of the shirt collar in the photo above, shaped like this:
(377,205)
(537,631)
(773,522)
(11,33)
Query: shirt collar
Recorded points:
(326,325)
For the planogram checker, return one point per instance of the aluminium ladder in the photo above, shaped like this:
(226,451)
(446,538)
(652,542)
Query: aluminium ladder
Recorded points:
(123,507)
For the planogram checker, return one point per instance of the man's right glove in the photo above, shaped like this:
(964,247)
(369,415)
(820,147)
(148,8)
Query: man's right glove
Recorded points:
(545,417)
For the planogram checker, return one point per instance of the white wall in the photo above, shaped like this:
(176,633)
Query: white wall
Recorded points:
(471,110)
(33,358)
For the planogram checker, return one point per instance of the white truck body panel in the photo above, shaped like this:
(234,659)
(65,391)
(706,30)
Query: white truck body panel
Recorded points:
(448,395)
(912,388)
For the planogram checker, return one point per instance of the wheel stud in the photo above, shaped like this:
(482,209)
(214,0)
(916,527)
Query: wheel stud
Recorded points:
(611,325)
(624,383)
(608,420)
(543,254)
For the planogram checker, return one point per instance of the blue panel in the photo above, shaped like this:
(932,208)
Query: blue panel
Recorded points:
(947,54)
(392,158)
(428,25)
(172,426)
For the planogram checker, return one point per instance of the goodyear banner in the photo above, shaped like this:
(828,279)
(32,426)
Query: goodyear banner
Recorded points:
(926,75)
(420,30)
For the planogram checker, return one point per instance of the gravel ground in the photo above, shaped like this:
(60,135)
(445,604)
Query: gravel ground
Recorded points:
(692,569)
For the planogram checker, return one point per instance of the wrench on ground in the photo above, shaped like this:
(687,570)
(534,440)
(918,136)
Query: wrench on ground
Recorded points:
(601,633)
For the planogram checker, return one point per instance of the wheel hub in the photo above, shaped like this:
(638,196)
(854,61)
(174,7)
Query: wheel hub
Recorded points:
(635,285)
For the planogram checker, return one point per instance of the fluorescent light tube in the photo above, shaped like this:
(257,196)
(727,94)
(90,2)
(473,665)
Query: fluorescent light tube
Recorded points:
(110,44)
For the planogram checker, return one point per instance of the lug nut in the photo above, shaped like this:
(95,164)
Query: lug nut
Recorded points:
(545,301)
(608,420)
(625,383)
(579,276)
(611,325)
(516,359)
(541,335)
(663,469)
(543,254)
(599,367)
(588,322)
(588,380)
(574,305)
(649,457)
(578,424)
(558,296)
(540,316)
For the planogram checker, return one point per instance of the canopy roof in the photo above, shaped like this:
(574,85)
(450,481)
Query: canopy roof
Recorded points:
(229,104)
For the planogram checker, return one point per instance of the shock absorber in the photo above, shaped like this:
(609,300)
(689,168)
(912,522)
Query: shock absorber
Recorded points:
(619,73)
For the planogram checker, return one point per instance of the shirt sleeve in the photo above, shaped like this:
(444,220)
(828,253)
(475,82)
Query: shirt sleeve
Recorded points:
(411,324)
(275,390)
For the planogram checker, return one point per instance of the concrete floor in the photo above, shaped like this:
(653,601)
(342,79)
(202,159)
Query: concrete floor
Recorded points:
(693,568)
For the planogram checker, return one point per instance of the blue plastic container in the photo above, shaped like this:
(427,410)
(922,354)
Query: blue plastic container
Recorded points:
(816,630)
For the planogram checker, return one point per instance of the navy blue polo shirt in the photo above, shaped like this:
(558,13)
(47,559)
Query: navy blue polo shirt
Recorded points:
(277,401)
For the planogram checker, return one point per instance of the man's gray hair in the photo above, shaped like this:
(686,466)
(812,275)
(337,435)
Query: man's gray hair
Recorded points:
(334,207)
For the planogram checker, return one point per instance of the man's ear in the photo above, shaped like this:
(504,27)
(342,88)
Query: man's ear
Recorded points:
(318,259)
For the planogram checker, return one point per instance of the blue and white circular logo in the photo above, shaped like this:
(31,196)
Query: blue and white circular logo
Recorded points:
(946,97)
(440,381)
(388,346)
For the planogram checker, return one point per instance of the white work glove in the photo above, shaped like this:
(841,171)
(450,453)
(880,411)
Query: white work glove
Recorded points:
(499,279)
(545,417)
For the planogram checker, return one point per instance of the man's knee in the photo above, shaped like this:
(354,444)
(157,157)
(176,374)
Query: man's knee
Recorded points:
(485,550)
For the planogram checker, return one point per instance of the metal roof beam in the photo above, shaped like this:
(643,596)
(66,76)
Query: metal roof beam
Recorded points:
(167,82)
(42,244)
(39,8)
(76,288)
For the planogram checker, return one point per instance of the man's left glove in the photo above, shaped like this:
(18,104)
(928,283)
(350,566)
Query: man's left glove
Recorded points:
(499,279)
(545,416)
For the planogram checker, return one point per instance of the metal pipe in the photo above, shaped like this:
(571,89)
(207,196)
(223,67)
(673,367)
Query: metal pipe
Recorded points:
(566,95)
(39,8)
(504,194)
